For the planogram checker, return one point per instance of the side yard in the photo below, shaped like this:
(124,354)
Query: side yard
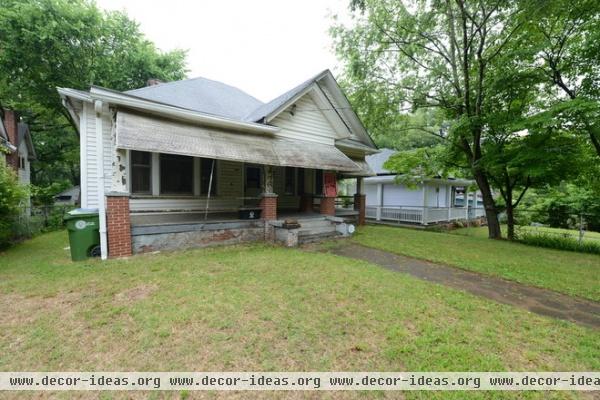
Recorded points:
(267,308)
(567,272)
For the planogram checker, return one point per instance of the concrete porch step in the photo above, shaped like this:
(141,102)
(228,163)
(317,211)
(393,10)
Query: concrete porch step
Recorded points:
(304,238)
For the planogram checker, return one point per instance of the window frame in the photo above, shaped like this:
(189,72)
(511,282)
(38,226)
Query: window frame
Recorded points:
(163,170)
(132,167)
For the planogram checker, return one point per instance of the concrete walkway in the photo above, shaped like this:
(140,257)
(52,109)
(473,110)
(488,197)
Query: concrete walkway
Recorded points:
(539,301)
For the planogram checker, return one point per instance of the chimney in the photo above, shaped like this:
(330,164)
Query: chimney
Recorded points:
(153,82)
(11,121)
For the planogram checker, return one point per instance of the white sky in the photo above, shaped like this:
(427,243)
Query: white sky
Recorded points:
(263,47)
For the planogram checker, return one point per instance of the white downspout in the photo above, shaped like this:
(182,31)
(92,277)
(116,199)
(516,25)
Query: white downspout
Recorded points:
(100,166)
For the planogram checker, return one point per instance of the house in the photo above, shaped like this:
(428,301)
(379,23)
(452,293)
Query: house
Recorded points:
(68,197)
(198,162)
(431,201)
(17,147)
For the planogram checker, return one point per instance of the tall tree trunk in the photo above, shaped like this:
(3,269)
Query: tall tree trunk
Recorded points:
(510,222)
(510,215)
(491,213)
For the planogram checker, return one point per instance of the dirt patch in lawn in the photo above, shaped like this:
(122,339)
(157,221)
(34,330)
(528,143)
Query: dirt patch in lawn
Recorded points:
(136,293)
(16,309)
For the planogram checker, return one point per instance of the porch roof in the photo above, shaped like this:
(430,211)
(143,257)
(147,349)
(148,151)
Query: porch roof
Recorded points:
(145,133)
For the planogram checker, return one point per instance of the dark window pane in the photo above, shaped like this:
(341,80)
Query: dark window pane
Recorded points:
(176,174)
(300,181)
(141,172)
(206,165)
(319,182)
(253,178)
(290,180)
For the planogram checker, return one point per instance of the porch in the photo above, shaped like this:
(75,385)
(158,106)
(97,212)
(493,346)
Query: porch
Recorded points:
(422,215)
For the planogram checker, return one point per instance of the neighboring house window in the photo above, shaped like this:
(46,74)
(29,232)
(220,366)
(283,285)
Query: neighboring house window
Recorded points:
(22,162)
(206,165)
(290,180)
(319,182)
(141,172)
(176,174)
(300,181)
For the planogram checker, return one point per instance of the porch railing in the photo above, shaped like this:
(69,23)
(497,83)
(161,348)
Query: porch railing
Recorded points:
(421,215)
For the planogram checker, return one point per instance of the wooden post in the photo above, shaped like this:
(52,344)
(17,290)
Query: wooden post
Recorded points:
(379,201)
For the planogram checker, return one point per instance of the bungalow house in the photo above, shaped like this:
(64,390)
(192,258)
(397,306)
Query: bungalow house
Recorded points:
(16,147)
(198,162)
(431,201)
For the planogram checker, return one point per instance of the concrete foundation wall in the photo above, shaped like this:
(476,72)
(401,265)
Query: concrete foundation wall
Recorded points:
(175,238)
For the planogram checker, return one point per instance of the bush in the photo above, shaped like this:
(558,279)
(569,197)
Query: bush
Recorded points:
(12,198)
(558,242)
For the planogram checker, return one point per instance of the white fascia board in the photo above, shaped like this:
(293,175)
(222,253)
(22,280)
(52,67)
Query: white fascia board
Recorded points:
(329,80)
(116,98)
(392,179)
(358,149)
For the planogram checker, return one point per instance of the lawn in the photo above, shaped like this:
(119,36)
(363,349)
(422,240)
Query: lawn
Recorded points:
(264,308)
(482,232)
(563,271)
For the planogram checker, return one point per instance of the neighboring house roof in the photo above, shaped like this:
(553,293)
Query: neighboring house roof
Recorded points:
(376,161)
(72,193)
(202,95)
(24,134)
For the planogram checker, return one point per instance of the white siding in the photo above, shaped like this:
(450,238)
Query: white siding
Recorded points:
(400,195)
(24,173)
(91,154)
(307,123)
(371,193)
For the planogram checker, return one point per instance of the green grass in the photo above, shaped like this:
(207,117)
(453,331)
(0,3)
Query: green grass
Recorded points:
(265,308)
(563,271)
(483,232)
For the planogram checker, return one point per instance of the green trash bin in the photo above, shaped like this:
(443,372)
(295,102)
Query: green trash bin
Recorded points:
(84,233)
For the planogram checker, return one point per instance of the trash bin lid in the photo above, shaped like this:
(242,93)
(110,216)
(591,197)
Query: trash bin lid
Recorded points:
(83,212)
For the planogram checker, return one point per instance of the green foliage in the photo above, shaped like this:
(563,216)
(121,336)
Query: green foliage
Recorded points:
(562,205)
(559,242)
(44,195)
(12,196)
(70,43)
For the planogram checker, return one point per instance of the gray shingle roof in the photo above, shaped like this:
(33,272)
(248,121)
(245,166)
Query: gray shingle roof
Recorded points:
(376,161)
(202,95)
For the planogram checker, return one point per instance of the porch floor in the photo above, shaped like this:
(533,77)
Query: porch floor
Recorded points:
(180,218)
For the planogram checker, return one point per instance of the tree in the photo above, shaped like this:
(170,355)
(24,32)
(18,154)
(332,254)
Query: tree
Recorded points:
(70,43)
(437,54)
(565,41)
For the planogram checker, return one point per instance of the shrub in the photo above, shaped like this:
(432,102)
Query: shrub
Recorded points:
(559,242)
(12,197)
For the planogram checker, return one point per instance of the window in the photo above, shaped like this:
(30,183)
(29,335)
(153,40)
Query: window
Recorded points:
(141,168)
(300,181)
(319,182)
(253,178)
(206,166)
(290,180)
(22,162)
(176,174)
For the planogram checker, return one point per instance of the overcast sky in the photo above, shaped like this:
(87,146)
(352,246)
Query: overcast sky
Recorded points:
(264,47)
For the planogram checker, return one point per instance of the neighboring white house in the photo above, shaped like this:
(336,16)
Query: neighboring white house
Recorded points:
(433,201)
(186,163)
